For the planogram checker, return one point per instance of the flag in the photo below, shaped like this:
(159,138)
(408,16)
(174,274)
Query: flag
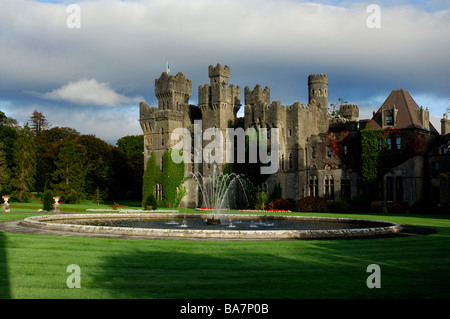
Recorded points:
(168,68)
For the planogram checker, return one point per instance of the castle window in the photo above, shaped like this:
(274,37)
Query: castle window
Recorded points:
(290,160)
(313,186)
(443,149)
(313,152)
(398,143)
(345,150)
(346,189)
(329,188)
(290,132)
(282,162)
(329,151)
(162,137)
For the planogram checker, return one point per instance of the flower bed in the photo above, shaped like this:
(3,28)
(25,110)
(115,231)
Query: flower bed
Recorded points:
(266,210)
(212,209)
(132,210)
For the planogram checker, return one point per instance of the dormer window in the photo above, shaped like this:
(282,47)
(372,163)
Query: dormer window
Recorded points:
(390,120)
(389,116)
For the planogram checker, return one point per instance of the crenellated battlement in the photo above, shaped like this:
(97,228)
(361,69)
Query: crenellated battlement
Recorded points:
(318,78)
(258,94)
(178,83)
(219,70)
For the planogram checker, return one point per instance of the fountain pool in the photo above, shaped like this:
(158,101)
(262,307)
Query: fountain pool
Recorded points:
(194,226)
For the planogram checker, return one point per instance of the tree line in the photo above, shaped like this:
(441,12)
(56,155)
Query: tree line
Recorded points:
(37,157)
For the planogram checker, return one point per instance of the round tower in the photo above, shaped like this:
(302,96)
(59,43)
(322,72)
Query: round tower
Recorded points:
(318,90)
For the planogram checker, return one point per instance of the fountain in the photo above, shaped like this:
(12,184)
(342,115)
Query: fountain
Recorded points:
(215,191)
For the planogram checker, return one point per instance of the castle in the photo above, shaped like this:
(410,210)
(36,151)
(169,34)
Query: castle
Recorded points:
(319,155)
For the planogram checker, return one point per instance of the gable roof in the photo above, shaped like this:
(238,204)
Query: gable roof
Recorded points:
(406,112)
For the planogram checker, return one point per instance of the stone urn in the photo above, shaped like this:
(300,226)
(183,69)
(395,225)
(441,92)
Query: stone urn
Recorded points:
(56,204)
(5,205)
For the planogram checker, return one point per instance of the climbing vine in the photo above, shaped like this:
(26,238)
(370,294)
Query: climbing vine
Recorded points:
(170,178)
(370,153)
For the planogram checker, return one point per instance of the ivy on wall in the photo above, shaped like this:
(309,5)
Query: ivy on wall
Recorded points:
(370,153)
(170,177)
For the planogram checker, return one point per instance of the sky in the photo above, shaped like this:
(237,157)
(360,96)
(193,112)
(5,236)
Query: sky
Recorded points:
(91,76)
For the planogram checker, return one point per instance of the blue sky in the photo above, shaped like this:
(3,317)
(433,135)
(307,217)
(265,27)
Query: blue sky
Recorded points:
(93,78)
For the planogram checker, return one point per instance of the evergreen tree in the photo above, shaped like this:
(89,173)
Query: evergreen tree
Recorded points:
(98,196)
(47,199)
(70,173)
(24,158)
(39,122)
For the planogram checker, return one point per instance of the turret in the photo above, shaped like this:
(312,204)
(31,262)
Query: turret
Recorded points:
(173,92)
(318,90)
(349,112)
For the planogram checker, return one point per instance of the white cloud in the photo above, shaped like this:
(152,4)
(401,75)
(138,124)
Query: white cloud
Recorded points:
(123,46)
(89,92)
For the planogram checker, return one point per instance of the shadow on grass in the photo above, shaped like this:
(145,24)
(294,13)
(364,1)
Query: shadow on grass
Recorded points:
(4,276)
(178,275)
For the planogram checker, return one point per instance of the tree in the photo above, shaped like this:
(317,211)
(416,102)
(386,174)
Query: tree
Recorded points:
(39,122)
(70,173)
(335,107)
(4,175)
(48,143)
(98,196)
(24,158)
(98,156)
(132,146)
(47,200)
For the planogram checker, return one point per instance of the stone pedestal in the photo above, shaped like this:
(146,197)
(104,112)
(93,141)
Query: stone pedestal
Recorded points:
(56,205)
(5,205)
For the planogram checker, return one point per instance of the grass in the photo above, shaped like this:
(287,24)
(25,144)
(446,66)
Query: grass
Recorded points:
(35,266)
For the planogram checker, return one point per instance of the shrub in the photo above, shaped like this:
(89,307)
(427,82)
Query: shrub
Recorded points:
(312,204)
(422,206)
(284,204)
(276,193)
(361,203)
(47,199)
(261,200)
(342,206)
(150,202)
(399,208)
(376,207)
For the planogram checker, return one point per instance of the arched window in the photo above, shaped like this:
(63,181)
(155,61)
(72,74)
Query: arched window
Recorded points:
(162,137)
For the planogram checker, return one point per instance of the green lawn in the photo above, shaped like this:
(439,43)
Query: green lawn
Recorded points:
(34,266)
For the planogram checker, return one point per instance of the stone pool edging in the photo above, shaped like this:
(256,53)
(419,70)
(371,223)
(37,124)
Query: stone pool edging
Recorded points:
(42,222)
